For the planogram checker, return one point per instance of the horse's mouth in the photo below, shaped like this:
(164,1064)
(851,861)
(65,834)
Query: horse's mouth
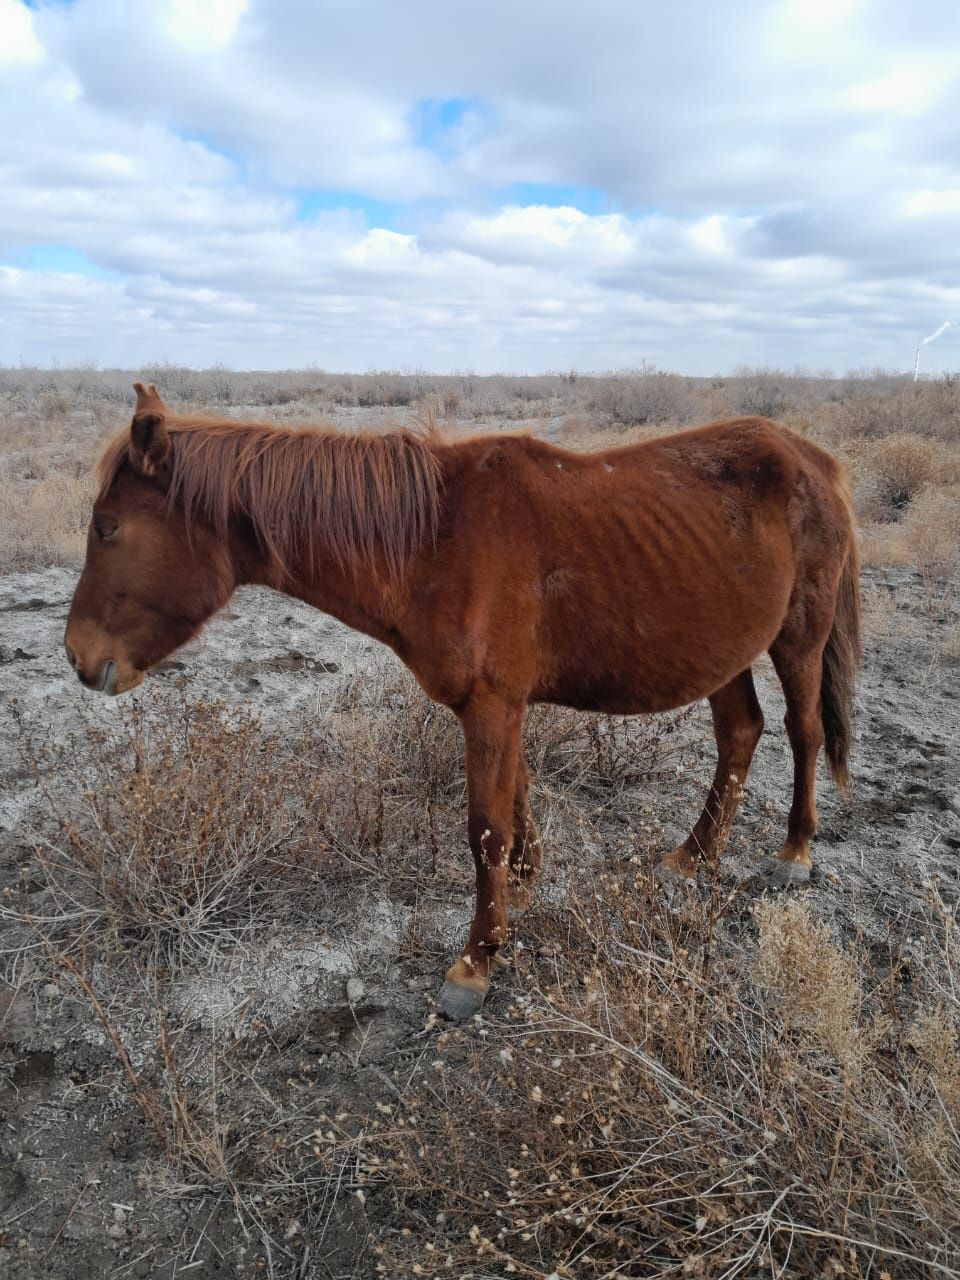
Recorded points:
(110,680)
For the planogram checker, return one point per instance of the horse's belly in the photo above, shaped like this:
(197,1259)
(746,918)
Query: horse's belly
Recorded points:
(643,692)
(632,663)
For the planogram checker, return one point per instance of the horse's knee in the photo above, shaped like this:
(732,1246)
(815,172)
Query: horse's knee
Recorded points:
(488,843)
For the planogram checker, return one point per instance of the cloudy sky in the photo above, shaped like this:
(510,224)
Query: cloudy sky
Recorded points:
(518,185)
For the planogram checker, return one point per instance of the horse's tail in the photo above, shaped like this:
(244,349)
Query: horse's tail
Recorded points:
(841,658)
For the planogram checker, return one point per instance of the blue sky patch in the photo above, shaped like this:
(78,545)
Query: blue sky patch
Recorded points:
(378,213)
(62,258)
(590,200)
(436,122)
(209,143)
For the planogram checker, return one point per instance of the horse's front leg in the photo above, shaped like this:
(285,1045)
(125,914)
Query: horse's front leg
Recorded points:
(526,855)
(492,727)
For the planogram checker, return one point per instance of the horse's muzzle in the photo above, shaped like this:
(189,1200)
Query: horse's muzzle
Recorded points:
(108,677)
(104,680)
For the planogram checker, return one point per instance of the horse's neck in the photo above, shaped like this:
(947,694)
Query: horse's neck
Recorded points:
(362,600)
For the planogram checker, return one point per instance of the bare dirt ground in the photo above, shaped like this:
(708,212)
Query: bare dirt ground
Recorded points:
(80,1191)
(217,1050)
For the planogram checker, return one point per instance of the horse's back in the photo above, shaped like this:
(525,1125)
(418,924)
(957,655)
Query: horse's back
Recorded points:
(631,579)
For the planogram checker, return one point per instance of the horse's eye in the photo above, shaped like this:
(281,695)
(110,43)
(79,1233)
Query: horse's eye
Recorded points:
(104,527)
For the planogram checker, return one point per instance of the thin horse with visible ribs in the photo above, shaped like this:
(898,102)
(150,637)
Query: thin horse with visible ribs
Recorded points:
(503,571)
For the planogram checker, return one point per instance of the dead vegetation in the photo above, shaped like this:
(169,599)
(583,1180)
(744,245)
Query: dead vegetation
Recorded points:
(184,818)
(720,1087)
(717,1087)
(670,1106)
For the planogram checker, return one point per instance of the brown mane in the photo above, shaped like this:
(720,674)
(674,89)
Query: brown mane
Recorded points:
(363,496)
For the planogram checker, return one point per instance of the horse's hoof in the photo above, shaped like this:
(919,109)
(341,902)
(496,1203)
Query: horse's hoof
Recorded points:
(518,899)
(459,1002)
(668,875)
(784,874)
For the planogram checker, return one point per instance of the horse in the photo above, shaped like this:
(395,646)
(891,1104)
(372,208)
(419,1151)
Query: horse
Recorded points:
(504,570)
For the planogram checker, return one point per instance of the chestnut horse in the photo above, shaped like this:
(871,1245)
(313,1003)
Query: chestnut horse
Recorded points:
(503,571)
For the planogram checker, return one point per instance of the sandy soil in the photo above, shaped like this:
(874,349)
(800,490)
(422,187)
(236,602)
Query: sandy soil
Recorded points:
(80,1193)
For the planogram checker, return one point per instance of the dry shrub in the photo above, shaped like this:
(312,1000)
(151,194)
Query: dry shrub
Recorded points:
(640,397)
(399,762)
(883,545)
(931,533)
(889,474)
(933,1034)
(187,828)
(652,1094)
(647,1107)
(186,817)
(44,522)
(182,819)
(927,408)
(54,405)
(767,393)
(816,986)
(899,437)
(879,609)
(950,648)
(398,758)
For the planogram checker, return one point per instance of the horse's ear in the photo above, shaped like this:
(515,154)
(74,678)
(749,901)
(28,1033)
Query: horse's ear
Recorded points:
(149,438)
(148,399)
(149,443)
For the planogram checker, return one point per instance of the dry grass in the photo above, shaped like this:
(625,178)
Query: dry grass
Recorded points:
(668,1105)
(928,408)
(45,522)
(186,833)
(889,474)
(186,817)
(678,1090)
(931,530)
(663,1091)
(181,821)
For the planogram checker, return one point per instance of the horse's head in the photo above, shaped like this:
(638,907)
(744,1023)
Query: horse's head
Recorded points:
(149,582)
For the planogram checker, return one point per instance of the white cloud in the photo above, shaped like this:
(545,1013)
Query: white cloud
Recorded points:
(203,25)
(18,40)
(733,183)
(382,248)
(919,204)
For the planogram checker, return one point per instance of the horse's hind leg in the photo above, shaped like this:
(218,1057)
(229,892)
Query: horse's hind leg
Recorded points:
(737,726)
(526,853)
(799,664)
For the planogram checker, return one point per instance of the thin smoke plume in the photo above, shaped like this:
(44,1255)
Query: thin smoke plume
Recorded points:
(946,325)
(930,338)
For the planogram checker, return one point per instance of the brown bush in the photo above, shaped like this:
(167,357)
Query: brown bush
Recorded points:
(44,521)
(931,533)
(656,1093)
(889,473)
(930,409)
(181,818)
(638,398)
(898,436)
(654,1109)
